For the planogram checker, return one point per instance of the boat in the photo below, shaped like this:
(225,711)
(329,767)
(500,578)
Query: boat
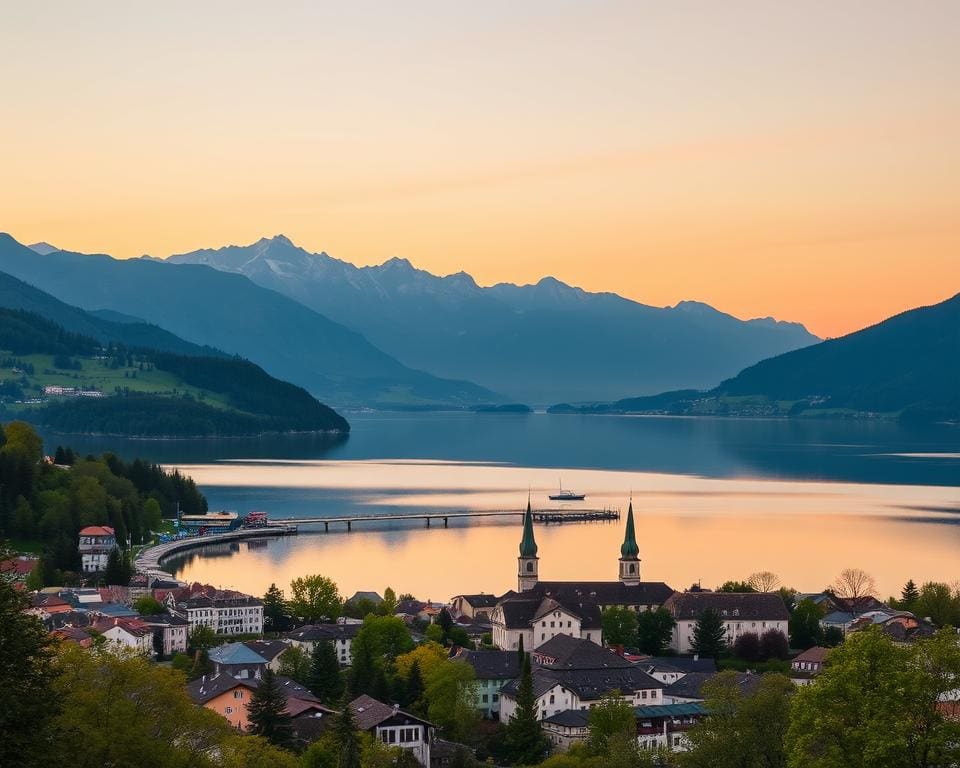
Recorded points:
(567,495)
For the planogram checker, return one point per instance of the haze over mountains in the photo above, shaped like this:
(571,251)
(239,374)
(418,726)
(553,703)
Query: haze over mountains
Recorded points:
(535,343)
(227,311)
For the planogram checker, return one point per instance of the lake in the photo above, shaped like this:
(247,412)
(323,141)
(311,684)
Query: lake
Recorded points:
(714,499)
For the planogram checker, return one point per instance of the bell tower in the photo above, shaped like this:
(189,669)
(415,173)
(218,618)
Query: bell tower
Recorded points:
(528,562)
(630,553)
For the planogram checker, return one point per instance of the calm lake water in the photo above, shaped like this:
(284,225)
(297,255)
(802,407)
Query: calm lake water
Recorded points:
(715,499)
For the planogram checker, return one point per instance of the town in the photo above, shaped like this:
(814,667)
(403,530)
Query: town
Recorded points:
(621,672)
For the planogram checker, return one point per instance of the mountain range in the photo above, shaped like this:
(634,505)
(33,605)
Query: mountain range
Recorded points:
(226,311)
(907,365)
(533,343)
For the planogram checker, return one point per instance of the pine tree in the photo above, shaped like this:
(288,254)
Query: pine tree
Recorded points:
(414,685)
(266,711)
(709,634)
(380,689)
(445,620)
(324,678)
(909,595)
(118,569)
(525,741)
(274,609)
(363,670)
(345,732)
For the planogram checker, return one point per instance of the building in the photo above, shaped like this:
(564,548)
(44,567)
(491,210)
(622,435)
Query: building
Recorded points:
(95,545)
(541,610)
(169,631)
(665,726)
(573,673)
(669,670)
(226,612)
(341,635)
(210,522)
(741,613)
(229,697)
(238,660)
(493,670)
(269,650)
(808,665)
(394,727)
(689,688)
(477,607)
(131,634)
(17,569)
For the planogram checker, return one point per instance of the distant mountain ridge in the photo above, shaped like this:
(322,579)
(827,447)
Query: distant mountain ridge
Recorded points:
(907,365)
(229,312)
(535,343)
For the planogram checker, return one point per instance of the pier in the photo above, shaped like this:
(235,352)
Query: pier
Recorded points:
(149,560)
(557,515)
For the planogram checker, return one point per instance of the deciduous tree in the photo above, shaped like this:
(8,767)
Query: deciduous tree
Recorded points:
(619,626)
(315,598)
(452,699)
(654,630)
(764,581)
(611,716)
(854,584)
(804,625)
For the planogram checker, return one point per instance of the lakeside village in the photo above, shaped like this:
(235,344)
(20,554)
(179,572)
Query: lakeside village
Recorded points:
(621,672)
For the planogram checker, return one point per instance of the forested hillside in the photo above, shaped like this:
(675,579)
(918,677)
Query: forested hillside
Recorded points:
(48,504)
(146,392)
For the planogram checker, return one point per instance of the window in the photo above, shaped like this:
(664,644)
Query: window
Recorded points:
(633,568)
(552,699)
(496,698)
(228,710)
(529,567)
(643,694)
(483,698)
(551,625)
(238,694)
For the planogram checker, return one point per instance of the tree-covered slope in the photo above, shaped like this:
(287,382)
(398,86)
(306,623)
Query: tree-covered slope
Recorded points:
(154,393)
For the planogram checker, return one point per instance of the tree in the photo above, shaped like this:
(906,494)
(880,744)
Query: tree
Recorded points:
(147,605)
(267,711)
(742,730)
(747,647)
(525,741)
(363,670)
(386,636)
(426,656)
(939,603)
(255,752)
(909,595)
(876,706)
(347,738)
(445,620)
(619,626)
(388,606)
(295,664)
(414,685)
(763,581)
(854,584)
(452,700)
(709,635)
(434,633)
(202,638)
(28,705)
(120,709)
(324,679)
(654,630)
(118,571)
(774,645)
(804,625)
(611,716)
(832,637)
(274,610)
(315,598)
(735,586)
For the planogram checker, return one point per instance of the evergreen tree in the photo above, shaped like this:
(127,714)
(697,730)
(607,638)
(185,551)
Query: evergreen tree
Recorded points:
(324,678)
(445,620)
(363,670)
(414,689)
(380,688)
(118,571)
(709,634)
(266,711)
(909,595)
(525,741)
(274,610)
(348,740)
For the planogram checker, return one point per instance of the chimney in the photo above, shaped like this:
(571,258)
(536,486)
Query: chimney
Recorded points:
(696,657)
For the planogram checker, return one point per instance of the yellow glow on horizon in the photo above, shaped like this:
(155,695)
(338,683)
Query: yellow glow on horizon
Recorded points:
(770,160)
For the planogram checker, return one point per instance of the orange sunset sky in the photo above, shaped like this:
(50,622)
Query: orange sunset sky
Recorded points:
(800,160)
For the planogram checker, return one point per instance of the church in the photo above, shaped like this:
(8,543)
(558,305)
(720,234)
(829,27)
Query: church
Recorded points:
(540,610)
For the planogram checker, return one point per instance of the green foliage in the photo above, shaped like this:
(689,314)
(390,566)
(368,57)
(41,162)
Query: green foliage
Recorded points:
(202,638)
(323,678)
(709,635)
(255,752)
(805,629)
(389,605)
(452,699)
(774,645)
(735,586)
(275,617)
(387,637)
(611,716)
(295,663)
(347,740)
(832,637)
(747,647)
(28,705)
(939,603)
(119,709)
(525,743)
(315,598)
(654,631)
(876,706)
(743,730)
(909,596)
(267,711)
(620,626)
(147,605)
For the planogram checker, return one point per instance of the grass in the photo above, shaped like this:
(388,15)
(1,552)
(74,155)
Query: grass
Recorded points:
(97,374)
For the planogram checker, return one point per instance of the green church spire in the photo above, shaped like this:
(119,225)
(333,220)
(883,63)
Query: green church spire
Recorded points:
(629,548)
(528,545)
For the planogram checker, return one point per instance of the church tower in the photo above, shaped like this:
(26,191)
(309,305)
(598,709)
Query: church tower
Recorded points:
(528,561)
(629,553)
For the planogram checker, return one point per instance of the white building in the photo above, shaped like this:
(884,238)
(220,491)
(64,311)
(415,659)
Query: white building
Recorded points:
(226,613)
(741,613)
(172,631)
(131,634)
(394,727)
(340,635)
(95,545)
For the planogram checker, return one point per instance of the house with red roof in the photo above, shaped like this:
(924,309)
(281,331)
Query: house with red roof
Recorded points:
(95,545)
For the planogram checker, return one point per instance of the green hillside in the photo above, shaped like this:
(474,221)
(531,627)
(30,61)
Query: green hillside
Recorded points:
(115,389)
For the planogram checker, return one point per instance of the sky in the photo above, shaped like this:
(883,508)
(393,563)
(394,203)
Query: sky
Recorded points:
(795,160)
